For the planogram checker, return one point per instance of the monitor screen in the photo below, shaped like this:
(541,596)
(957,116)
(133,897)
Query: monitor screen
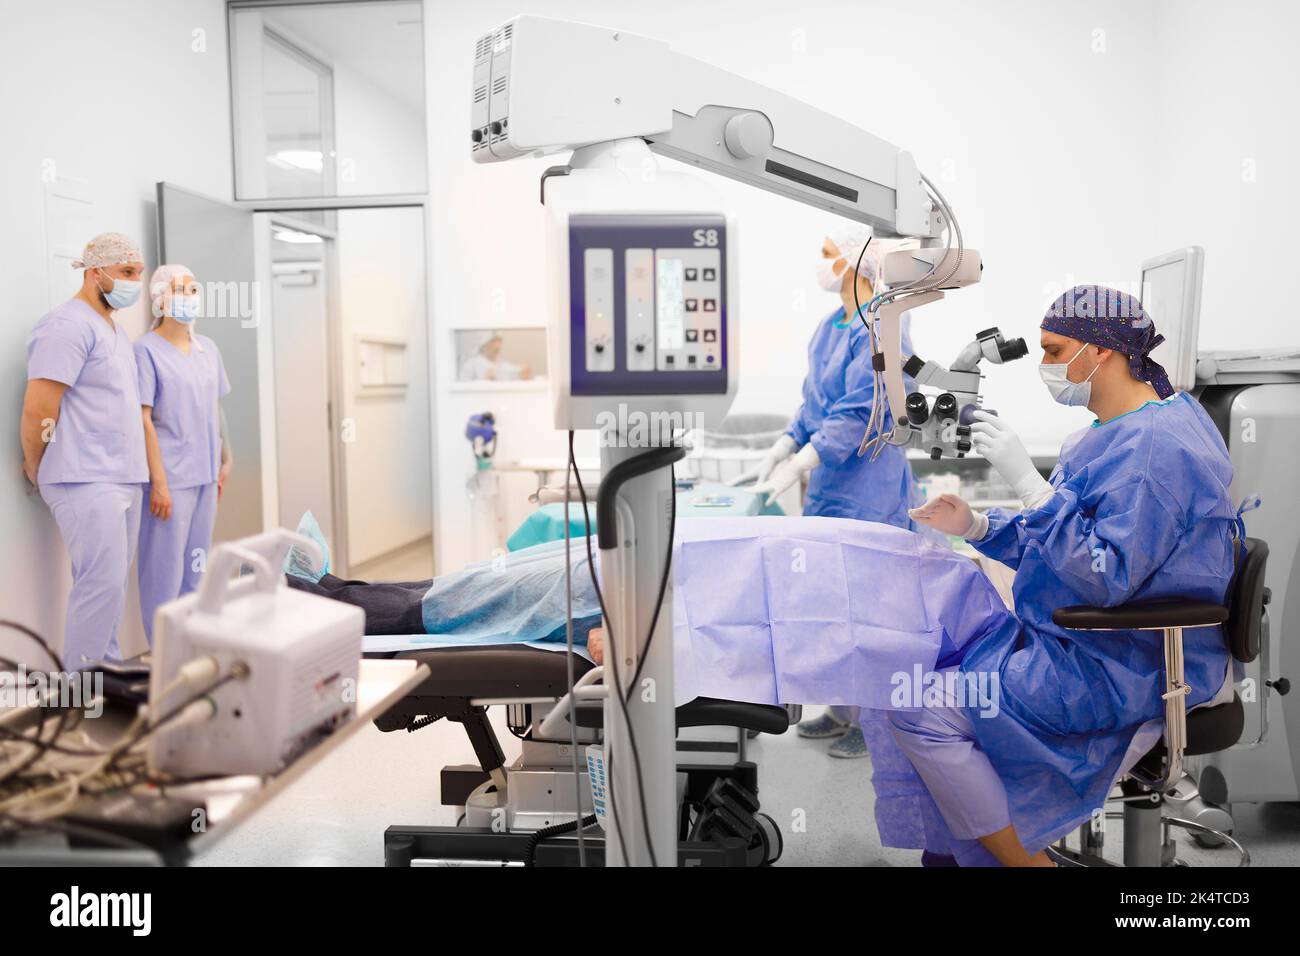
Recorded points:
(1171,287)
(670,303)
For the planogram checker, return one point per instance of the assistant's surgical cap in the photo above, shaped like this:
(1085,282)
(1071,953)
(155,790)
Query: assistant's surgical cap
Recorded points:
(160,283)
(108,249)
(849,239)
(1112,320)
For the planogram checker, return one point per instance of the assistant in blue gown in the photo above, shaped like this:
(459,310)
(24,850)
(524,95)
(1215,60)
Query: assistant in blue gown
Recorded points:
(837,403)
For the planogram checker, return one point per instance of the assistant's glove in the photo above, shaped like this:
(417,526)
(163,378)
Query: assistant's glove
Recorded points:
(781,449)
(997,441)
(788,473)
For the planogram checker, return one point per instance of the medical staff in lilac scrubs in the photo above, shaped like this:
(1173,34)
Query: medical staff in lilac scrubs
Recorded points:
(181,383)
(83,446)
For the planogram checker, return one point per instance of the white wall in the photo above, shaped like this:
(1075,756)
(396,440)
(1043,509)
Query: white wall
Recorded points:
(120,102)
(1227,153)
(1037,141)
(382,291)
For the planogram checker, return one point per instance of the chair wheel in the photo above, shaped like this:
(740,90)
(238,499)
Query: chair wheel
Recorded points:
(1208,815)
(766,846)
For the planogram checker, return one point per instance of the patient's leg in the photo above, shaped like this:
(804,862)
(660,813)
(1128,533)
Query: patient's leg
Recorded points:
(391,607)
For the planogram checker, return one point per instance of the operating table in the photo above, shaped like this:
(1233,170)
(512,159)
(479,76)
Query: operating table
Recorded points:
(517,814)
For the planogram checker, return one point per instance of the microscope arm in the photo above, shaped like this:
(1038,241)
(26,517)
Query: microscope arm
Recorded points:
(543,85)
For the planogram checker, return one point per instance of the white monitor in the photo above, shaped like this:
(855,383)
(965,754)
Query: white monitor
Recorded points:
(1171,295)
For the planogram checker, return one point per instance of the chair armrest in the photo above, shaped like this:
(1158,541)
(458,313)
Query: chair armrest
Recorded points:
(1148,616)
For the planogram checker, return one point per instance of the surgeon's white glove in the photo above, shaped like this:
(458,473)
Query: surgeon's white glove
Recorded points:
(788,473)
(782,449)
(951,515)
(997,441)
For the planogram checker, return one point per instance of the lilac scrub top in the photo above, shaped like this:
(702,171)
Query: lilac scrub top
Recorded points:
(183,391)
(99,435)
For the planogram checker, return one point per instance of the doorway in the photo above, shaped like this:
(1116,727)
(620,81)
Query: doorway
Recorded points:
(320,316)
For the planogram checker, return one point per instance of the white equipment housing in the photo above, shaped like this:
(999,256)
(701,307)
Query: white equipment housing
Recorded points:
(302,654)
(543,85)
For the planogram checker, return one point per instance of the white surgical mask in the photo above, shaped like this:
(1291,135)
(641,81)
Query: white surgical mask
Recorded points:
(1058,382)
(123,293)
(827,277)
(185,308)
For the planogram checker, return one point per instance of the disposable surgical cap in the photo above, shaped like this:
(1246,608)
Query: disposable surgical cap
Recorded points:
(160,283)
(108,249)
(1112,320)
(851,237)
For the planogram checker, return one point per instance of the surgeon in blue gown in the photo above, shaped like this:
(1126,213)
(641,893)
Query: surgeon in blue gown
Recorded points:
(823,439)
(1138,509)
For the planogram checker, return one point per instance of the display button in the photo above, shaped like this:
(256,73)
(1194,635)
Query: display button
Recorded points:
(668,360)
(690,360)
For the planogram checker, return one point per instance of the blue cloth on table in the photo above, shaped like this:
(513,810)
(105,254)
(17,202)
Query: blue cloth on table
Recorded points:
(704,499)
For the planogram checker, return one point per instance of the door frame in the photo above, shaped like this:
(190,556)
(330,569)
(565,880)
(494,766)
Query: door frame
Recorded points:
(334,372)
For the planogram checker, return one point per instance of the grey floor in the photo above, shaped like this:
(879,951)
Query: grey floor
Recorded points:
(336,814)
(410,562)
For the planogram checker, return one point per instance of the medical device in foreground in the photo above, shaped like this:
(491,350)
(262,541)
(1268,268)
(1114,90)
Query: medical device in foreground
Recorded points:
(643,340)
(248,673)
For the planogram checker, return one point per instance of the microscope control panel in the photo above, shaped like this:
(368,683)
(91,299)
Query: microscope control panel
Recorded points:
(648,304)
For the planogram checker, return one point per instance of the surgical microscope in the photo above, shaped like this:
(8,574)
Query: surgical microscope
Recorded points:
(643,326)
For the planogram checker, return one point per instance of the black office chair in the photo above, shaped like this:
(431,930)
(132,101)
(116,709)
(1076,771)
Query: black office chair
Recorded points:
(1144,790)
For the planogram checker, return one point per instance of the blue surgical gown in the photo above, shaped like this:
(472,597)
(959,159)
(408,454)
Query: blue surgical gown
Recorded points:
(1140,512)
(837,402)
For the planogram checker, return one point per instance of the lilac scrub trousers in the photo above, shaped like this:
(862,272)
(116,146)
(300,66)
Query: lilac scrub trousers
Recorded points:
(183,390)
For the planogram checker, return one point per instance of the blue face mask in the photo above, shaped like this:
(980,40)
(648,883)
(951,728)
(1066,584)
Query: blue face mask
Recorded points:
(123,293)
(185,308)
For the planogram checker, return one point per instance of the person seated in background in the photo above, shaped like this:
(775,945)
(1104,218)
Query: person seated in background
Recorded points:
(486,364)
